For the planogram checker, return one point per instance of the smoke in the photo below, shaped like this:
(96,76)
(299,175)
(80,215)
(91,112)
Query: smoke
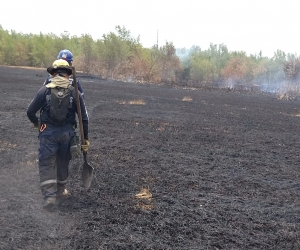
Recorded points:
(183,54)
(264,86)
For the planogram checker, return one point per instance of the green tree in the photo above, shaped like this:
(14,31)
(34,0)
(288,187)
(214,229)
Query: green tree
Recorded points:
(116,50)
(87,49)
(202,68)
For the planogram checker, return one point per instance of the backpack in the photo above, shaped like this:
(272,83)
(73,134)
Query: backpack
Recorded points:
(59,104)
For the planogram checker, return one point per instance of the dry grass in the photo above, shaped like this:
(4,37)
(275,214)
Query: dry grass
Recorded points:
(162,126)
(144,194)
(134,102)
(187,99)
(26,67)
(145,199)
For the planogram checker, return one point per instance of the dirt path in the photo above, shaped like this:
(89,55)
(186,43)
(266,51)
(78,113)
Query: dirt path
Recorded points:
(222,169)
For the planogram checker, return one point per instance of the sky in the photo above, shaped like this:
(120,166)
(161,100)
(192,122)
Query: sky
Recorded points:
(242,25)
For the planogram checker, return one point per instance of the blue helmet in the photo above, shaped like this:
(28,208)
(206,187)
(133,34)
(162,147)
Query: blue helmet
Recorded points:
(66,55)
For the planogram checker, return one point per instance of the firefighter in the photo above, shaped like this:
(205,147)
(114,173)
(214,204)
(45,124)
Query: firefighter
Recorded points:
(68,56)
(56,132)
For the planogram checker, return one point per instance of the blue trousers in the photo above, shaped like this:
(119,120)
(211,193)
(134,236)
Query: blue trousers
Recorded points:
(54,158)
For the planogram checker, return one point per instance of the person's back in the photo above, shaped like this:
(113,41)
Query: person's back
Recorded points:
(56,102)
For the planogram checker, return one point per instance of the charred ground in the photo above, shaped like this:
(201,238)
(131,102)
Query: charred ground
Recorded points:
(222,168)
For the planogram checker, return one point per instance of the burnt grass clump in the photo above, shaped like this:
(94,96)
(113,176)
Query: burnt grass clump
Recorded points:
(174,169)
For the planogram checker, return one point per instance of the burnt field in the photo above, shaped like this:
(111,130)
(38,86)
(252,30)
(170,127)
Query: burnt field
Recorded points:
(220,170)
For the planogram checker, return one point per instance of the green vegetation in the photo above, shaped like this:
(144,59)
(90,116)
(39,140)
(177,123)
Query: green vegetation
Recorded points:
(120,56)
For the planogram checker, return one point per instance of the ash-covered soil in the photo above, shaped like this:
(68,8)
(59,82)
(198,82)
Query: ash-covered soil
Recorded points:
(220,170)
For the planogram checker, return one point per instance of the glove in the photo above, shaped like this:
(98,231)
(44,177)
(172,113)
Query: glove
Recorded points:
(85,147)
(38,124)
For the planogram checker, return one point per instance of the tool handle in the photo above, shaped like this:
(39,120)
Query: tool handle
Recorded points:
(78,106)
(84,156)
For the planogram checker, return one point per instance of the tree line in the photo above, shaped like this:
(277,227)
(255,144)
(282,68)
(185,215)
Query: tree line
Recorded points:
(118,55)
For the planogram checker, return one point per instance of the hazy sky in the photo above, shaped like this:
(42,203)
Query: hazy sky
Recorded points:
(248,25)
